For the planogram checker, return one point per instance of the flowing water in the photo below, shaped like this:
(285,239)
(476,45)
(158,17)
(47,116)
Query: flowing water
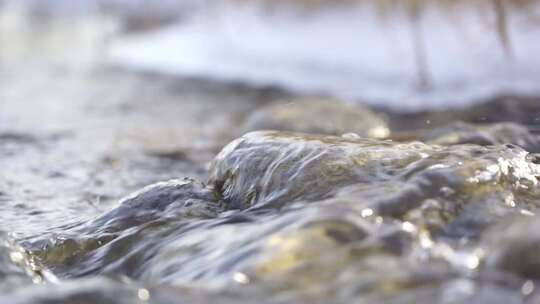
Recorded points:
(123,186)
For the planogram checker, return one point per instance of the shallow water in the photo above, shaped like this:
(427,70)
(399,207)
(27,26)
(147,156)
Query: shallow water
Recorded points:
(401,208)
(296,217)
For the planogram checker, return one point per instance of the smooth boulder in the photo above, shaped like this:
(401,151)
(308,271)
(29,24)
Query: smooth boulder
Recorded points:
(318,116)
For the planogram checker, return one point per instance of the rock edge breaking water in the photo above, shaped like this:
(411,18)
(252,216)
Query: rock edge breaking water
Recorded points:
(297,217)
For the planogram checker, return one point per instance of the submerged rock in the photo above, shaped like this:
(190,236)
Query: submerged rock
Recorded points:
(97,290)
(313,218)
(318,116)
(275,169)
(513,246)
(174,198)
(174,201)
(517,109)
(484,134)
(271,168)
(105,290)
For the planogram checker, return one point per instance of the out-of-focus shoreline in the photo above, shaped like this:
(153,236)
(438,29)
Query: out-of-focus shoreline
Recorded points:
(449,56)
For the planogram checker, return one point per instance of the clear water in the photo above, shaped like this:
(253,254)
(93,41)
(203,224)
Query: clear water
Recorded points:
(439,214)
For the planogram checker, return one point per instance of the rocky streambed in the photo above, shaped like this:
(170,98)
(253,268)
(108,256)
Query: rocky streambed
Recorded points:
(337,204)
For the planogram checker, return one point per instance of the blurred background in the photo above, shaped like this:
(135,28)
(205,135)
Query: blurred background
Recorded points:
(410,54)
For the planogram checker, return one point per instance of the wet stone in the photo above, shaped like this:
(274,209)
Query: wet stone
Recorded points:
(181,198)
(270,168)
(513,247)
(517,109)
(300,217)
(317,247)
(274,169)
(484,134)
(105,290)
(318,116)
(152,207)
